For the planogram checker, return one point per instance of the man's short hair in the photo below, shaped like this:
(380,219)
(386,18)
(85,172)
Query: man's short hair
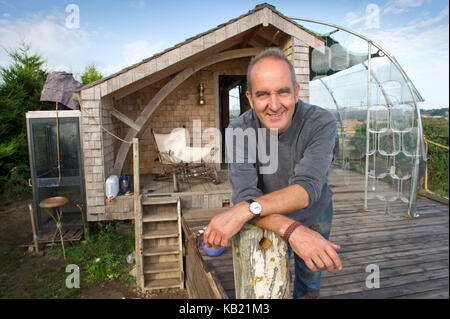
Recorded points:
(272,52)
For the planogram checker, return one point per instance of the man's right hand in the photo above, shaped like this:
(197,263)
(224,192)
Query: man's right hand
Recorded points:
(314,249)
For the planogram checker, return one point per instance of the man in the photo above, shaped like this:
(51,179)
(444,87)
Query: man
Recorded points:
(296,198)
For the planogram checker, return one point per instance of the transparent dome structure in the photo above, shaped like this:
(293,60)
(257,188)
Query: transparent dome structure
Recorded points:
(379,151)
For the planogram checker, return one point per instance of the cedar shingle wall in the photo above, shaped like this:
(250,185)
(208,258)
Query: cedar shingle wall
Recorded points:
(300,60)
(179,108)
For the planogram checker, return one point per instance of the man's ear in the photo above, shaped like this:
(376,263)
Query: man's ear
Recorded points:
(297,92)
(249,98)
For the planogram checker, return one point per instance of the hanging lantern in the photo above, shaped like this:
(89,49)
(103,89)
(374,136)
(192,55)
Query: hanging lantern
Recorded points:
(201,94)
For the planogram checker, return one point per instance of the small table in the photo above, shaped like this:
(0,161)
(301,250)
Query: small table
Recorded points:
(53,206)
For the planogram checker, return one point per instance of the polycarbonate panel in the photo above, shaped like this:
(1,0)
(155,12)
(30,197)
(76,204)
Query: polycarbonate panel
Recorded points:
(378,166)
(388,143)
(378,109)
(378,118)
(402,117)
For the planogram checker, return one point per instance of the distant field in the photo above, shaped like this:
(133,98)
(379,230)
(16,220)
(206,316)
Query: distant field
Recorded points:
(436,130)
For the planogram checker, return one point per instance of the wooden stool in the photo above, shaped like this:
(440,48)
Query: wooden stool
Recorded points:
(53,206)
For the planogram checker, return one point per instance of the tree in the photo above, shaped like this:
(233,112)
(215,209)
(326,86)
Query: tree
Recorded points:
(91,74)
(20,89)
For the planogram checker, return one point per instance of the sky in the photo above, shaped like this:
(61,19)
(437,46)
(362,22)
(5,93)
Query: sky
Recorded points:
(116,34)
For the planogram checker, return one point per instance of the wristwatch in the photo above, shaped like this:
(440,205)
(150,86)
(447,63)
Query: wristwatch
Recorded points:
(255,208)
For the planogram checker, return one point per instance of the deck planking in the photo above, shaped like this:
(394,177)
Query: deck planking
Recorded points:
(412,253)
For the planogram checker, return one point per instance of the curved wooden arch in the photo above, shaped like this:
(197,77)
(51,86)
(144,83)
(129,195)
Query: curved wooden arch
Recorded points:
(144,118)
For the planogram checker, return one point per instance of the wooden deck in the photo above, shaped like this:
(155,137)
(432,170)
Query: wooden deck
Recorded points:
(150,185)
(411,254)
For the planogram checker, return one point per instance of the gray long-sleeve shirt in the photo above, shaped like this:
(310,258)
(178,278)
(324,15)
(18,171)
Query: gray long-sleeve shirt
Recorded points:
(305,151)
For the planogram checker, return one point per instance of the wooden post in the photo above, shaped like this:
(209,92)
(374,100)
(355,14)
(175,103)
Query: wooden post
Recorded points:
(426,164)
(137,216)
(261,264)
(33,228)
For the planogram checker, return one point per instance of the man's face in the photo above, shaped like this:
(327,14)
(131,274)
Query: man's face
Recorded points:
(273,96)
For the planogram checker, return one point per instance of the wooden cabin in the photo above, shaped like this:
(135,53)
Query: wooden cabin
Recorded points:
(162,93)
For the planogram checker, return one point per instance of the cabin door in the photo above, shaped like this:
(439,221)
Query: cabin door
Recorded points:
(232,103)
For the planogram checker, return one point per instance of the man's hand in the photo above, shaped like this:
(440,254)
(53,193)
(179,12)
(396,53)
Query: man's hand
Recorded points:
(225,225)
(314,249)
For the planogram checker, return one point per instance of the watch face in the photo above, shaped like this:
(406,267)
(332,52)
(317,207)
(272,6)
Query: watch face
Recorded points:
(255,208)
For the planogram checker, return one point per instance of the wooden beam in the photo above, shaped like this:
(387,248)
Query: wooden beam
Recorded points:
(144,118)
(272,40)
(255,43)
(250,36)
(268,39)
(122,117)
(173,69)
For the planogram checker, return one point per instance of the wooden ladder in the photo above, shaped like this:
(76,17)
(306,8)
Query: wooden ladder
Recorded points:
(159,263)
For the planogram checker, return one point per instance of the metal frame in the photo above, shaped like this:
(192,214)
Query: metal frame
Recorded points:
(414,174)
(69,181)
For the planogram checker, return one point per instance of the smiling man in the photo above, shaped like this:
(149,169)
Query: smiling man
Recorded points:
(295,201)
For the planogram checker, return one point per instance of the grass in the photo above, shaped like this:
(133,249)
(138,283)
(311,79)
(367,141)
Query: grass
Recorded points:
(49,283)
(101,258)
(9,264)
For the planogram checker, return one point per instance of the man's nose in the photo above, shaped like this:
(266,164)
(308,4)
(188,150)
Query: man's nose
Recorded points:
(274,103)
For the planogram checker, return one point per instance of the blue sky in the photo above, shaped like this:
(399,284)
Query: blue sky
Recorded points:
(116,34)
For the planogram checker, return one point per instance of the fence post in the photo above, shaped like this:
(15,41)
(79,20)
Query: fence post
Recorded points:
(426,164)
(261,264)
(137,215)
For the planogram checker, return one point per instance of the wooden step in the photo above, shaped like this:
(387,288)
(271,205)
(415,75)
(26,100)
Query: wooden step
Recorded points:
(162,250)
(162,283)
(159,200)
(162,233)
(160,217)
(161,267)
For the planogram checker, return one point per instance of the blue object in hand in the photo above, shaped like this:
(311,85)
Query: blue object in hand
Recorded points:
(213,252)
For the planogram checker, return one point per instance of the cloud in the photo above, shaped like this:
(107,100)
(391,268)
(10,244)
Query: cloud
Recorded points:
(371,17)
(422,49)
(352,18)
(139,50)
(423,37)
(133,53)
(47,36)
(398,6)
(67,49)
(431,21)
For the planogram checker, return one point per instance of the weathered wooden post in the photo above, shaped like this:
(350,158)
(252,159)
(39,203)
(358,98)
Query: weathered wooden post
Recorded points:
(261,264)
(137,215)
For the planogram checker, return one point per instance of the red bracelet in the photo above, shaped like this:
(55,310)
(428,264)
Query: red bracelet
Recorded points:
(290,230)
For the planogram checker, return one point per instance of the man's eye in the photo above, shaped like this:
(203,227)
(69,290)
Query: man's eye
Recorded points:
(262,94)
(284,92)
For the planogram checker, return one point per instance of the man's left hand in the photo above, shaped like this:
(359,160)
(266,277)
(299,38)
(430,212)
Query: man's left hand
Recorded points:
(225,225)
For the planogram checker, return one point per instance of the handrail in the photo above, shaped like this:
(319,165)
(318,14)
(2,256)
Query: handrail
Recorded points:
(434,143)
(426,152)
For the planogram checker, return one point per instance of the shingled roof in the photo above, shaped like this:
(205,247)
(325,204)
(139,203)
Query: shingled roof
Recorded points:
(264,14)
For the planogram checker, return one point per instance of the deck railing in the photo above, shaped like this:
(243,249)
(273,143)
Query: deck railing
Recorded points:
(425,186)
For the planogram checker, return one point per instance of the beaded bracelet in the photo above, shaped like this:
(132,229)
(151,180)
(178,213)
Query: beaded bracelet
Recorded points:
(290,230)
